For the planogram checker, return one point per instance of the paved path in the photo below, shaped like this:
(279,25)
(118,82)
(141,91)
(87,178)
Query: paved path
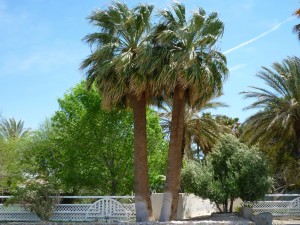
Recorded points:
(286,222)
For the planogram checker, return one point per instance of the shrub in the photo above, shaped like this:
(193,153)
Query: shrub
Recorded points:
(230,171)
(36,198)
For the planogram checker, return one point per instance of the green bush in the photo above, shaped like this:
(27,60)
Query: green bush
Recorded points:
(232,170)
(36,198)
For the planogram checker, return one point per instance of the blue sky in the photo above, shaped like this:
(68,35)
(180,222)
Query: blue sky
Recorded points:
(41,49)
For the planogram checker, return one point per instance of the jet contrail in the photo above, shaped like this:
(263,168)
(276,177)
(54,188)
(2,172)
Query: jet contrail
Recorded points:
(259,36)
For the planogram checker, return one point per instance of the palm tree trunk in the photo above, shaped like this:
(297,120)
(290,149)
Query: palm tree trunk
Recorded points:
(143,205)
(297,132)
(171,194)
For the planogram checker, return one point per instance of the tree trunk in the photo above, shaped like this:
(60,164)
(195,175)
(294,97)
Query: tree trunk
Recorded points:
(143,205)
(297,131)
(231,205)
(219,208)
(171,194)
(113,190)
(183,145)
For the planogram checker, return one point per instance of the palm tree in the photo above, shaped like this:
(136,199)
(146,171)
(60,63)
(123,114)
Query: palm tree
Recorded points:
(12,129)
(113,68)
(296,28)
(232,124)
(201,130)
(278,118)
(193,70)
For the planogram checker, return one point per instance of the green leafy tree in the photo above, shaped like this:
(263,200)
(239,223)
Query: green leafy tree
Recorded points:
(87,150)
(192,69)
(13,136)
(8,164)
(277,123)
(113,68)
(230,171)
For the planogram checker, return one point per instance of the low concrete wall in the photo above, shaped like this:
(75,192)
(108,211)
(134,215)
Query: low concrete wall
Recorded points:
(189,206)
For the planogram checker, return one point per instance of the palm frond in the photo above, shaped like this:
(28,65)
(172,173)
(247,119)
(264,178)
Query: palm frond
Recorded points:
(113,66)
(279,115)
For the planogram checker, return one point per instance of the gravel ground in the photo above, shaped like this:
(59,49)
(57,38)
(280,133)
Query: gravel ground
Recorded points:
(234,218)
(219,217)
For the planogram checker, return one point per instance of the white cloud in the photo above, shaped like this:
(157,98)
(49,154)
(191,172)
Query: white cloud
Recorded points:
(258,37)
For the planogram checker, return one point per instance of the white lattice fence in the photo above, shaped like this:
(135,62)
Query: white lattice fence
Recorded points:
(62,212)
(277,208)
(70,212)
(130,208)
(287,208)
(16,213)
(294,208)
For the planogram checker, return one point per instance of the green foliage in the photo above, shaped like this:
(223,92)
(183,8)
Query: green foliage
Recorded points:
(201,130)
(157,183)
(112,64)
(286,171)
(185,53)
(87,150)
(230,171)
(10,173)
(275,127)
(35,197)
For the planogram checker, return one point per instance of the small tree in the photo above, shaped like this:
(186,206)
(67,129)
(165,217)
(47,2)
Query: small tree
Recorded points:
(230,171)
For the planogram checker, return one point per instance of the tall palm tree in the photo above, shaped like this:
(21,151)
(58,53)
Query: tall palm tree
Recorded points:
(201,130)
(12,129)
(296,28)
(278,118)
(113,68)
(193,70)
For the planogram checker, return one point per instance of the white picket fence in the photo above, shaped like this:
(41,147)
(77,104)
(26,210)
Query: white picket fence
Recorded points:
(280,208)
(63,212)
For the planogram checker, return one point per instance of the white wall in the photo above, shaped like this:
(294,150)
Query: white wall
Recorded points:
(189,206)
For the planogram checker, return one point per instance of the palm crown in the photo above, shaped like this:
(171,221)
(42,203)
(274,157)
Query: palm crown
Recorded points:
(112,65)
(279,116)
(186,45)
(296,28)
(12,129)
